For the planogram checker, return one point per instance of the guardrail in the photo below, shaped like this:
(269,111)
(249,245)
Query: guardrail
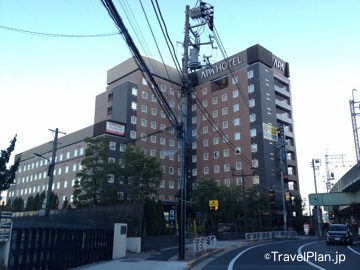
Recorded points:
(5,225)
(258,236)
(203,243)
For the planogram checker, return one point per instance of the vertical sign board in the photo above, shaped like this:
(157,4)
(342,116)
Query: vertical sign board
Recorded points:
(283,153)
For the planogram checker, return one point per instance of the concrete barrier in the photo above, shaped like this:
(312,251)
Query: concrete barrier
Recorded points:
(133,244)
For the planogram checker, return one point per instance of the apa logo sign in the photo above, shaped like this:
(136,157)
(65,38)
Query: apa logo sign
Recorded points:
(278,64)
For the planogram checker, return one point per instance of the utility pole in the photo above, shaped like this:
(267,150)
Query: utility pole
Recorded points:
(185,92)
(354,110)
(315,165)
(204,12)
(51,171)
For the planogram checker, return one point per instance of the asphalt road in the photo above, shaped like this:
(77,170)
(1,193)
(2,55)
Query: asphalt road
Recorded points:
(286,254)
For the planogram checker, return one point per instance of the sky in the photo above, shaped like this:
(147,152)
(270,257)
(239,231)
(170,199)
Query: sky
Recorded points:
(51,81)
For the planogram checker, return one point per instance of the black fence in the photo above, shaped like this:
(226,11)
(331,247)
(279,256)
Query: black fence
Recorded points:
(58,248)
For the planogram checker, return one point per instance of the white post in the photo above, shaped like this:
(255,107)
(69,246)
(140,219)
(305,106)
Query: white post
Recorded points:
(120,238)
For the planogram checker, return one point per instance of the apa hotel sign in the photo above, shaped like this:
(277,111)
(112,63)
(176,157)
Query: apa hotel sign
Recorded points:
(221,67)
(115,128)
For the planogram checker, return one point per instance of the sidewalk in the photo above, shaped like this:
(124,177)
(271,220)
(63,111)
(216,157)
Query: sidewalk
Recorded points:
(139,261)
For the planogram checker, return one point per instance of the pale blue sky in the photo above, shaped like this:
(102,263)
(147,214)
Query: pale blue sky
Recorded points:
(51,82)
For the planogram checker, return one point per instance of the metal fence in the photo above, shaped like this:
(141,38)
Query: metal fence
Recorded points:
(58,248)
(258,236)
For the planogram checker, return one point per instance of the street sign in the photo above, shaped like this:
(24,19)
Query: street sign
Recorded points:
(213,203)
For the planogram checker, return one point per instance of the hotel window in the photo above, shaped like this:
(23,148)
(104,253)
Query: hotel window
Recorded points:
(225,124)
(215,127)
(144,81)
(251,88)
(75,153)
(237,136)
(133,120)
(153,111)
(251,102)
(162,154)
(224,111)
(253,132)
(225,138)
(133,105)
(205,143)
(162,114)
(252,117)
(153,125)
(171,157)
(250,74)
(66,170)
(162,127)
(204,91)
(194,145)
(144,108)
(163,88)
(194,172)
(204,103)
(205,129)
(172,104)
(153,153)
(57,185)
(206,156)
(123,147)
(223,97)
(74,168)
(255,163)
(227,182)
(162,184)
(60,158)
(236,107)
(239,181)
(112,146)
(216,140)
(205,116)
(109,110)
(134,91)
(194,158)
(171,170)
(235,93)
(144,95)
(143,136)
(236,121)
(193,107)
(153,98)
(162,141)
(254,148)
(143,122)
(234,80)
(111,160)
(172,130)
(216,169)
(226,152)
(153,139)
(216,154)
(172,92)
(193,120)
(206,170)
(110,96)
(238,166)
(67,157)
(214,100)
(163,169)
(171,143)
(133,134)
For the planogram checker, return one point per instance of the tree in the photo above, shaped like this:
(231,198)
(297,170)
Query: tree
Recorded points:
(17,205)
(137,175)
(88,189)
(7,176)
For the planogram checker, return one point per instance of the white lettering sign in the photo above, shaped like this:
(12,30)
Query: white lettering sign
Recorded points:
(221,67)
(115,128)
(278,64)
